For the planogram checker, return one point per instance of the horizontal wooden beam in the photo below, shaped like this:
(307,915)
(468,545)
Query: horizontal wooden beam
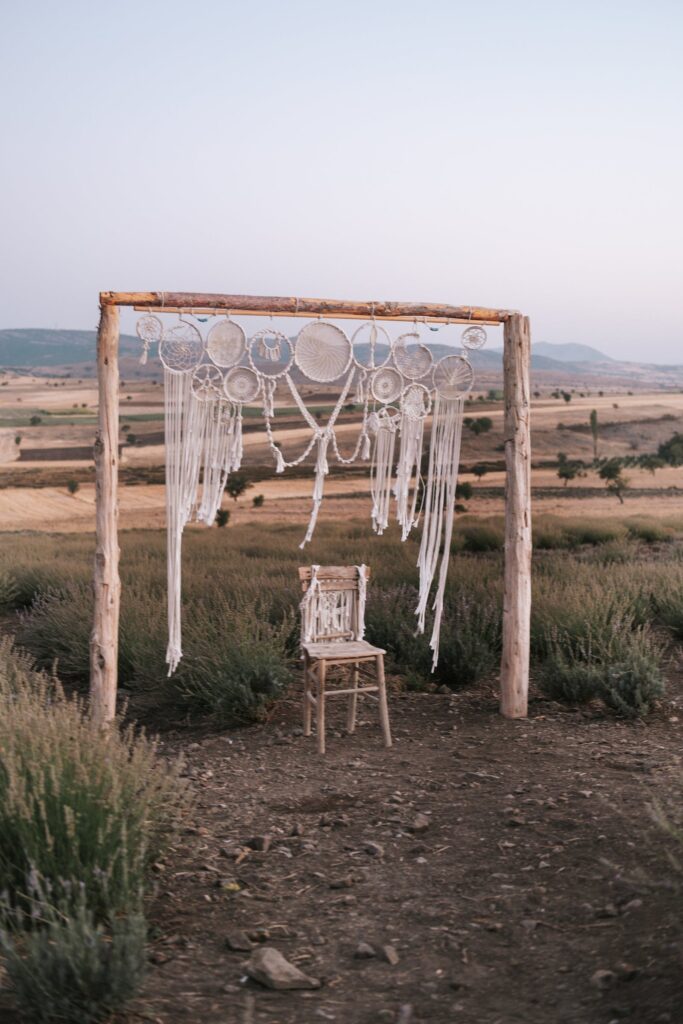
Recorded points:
(292,306)
(337,316)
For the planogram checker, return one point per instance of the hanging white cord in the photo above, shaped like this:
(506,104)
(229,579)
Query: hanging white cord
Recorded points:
(362,596)
(381,470)
(410,456)
(439,508)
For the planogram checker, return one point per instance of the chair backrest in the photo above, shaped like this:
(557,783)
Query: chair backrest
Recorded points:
(333,605)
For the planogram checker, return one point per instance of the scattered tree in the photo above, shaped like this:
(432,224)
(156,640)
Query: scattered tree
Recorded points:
(464,490)
(594,431)
(480,470)
(651,463)
(672,450)
(131,438)
(612,473)
(567,396)
(222,517)
(237,484)
(568,469)
(258,500)
(17,439)
(35,420)
(72,486)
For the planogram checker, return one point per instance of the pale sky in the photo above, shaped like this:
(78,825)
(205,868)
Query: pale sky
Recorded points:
(521,154)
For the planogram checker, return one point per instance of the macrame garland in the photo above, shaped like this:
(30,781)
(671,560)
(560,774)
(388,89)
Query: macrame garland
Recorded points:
(381,470)
(321,437)
(439,508)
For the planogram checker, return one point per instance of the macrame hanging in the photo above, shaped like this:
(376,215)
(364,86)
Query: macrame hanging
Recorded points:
(452,381)
(208,383)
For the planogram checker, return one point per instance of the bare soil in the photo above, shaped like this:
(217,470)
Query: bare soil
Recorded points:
(539,866)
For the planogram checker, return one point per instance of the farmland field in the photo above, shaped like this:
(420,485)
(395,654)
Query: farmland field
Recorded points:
(477,856)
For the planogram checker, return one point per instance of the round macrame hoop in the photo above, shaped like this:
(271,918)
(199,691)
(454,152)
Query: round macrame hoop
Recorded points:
(453,377)
(323,352)
(473,338)
(413,363)
(207,383)
(416,401)
(149,328)
(226,343)
(241,384)
(181,348)
(270,353)
(386,385)
(374,332)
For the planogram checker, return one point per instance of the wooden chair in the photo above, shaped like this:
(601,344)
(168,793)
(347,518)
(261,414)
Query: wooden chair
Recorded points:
(331,626)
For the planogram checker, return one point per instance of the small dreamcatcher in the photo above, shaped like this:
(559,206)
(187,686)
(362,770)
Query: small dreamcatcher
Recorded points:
(386,385)
(181,348)
(323,352)
(226,343)
(241,385)
(371,346)
(207,383)
(416,401)
(415,362)
(270,353)
(148,329)
(473,338)
(453,377)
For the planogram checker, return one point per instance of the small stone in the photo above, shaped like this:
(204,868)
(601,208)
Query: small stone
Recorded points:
(227,885)
(268,967)
(297,829)
(374,849)
(529,924)
(602,979)
(390,955)
(627,972)
(261,844)
(342,883)
(364,951)
(631,906)
(420,823)
(259,934)
(239,942)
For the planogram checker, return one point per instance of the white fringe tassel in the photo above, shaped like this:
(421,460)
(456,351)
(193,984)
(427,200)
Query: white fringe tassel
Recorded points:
(381,471)
(409,458)
(439,508)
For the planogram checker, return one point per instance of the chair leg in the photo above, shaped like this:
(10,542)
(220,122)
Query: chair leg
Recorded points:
(353,700)
(383,706)
(307,703)
(320,710)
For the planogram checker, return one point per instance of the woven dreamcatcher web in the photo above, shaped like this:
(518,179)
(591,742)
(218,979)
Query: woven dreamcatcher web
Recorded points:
(208,383)
(323,352)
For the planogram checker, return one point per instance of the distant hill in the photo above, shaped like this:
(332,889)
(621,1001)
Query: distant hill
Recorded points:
(31,347)
(570,352)
(50,352)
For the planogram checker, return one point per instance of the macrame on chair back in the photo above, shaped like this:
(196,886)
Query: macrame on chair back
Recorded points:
(333,606)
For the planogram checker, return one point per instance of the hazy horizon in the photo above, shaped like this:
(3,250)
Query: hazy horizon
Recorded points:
(520,156)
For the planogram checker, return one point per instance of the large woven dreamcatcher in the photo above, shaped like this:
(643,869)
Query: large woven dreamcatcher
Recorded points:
(209,380)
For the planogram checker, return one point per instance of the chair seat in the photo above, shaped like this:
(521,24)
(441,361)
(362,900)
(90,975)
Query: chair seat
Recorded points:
(341,650)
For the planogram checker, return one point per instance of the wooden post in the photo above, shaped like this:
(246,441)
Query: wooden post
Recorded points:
(104,639)
(514,675)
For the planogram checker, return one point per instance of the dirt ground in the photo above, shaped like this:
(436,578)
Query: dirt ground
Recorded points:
(512,861)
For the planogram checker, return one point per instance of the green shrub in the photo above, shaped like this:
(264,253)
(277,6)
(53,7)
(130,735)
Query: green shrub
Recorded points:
(471,639)
(69,968)
(236,664)
(621,665)
(486,536)
(652,531)
(76,802)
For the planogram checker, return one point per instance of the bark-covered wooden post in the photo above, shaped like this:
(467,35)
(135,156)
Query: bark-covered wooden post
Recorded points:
(104,640)
(514,675)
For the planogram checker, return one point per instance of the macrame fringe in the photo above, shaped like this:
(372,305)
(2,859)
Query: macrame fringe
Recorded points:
(439,509)
(325,612)
(408,466)
(381,471)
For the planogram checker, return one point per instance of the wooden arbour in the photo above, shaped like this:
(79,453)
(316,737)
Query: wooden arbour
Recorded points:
(514,674)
